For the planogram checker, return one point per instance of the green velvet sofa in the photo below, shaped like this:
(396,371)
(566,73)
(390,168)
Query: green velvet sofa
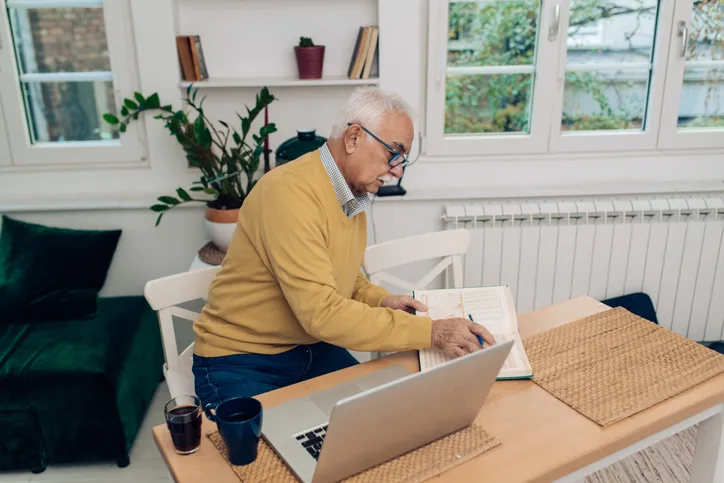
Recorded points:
(77,371)
(77,390)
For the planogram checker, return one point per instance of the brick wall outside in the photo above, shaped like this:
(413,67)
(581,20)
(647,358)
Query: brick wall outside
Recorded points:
(71,40)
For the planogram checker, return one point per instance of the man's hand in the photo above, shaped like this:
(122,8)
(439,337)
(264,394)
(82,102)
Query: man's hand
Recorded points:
(403,302)
(458,337)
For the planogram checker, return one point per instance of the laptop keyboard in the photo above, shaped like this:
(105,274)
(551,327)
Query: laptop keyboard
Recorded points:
(312,440)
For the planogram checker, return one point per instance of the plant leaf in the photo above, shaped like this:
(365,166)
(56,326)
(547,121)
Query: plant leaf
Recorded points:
(224,124)
(122,128)
(139,97)
(201,133)
(211,191)
(183,194)
(170,200)
(124,111)
(110,119)
(158,208)
(130,104)
(158,220)
(196,188)
(153,101)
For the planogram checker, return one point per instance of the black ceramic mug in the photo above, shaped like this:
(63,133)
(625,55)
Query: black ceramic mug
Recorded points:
(239,421)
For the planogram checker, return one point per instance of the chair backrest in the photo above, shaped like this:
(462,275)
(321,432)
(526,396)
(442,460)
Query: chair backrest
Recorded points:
(163,295)
(448,245)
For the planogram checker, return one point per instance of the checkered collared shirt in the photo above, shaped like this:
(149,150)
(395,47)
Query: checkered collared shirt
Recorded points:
(351,204)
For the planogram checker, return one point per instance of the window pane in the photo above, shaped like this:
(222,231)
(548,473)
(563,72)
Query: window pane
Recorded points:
(490,66)
(488,104)
(69,111)
(611,31)
(60,40)
(702,96)
(702,99)
(492,32)
(604,100)
(603,35)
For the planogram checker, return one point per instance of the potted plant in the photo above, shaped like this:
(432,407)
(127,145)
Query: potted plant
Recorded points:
(227,161)
(310,59)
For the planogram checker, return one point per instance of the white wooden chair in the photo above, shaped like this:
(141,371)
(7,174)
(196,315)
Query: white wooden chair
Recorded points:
(448,245)
(163,295)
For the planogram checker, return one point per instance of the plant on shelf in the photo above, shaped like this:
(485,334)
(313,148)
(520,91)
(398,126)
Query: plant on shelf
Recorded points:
(310,59)
(227,161)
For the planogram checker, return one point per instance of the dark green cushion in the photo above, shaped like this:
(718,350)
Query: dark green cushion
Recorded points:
(99,375)
(89,348)
(49,273)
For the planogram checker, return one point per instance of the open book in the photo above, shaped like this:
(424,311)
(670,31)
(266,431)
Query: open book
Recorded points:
(493,308)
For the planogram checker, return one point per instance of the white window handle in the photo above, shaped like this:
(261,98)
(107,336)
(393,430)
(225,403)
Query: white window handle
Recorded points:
(683,32)
(553,30)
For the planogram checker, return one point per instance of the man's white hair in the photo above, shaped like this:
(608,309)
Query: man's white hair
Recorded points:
(367,106)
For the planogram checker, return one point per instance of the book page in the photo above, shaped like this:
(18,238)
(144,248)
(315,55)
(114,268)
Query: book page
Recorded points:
(487,309)
(487,306)
(484,305)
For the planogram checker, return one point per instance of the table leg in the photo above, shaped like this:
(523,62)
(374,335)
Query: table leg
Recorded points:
(708,466)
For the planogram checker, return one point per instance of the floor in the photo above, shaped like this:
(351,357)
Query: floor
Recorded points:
(669,461)
(146,463)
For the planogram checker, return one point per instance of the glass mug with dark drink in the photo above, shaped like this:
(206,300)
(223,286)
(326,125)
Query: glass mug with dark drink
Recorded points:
(183,418)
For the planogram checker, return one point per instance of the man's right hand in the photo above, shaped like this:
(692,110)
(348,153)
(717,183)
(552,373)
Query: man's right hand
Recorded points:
(458,337)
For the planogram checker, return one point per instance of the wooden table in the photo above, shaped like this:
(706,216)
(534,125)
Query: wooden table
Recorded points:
(543,439)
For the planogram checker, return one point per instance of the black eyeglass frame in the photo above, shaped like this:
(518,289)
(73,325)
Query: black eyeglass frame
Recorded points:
(395,153)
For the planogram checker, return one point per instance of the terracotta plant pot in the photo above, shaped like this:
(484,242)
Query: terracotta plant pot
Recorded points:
(310,61)
(220,225)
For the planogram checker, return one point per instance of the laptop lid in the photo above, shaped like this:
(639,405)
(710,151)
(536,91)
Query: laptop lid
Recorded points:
(377,425)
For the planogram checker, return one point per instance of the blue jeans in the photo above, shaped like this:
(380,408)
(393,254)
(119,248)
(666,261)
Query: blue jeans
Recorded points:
(245,375)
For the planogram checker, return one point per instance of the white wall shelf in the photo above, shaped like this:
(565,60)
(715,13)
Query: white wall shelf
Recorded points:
(220,82)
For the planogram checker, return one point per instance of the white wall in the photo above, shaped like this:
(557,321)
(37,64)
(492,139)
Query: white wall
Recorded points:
(255,37)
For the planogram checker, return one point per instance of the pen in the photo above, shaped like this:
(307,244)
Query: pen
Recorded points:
(480,339)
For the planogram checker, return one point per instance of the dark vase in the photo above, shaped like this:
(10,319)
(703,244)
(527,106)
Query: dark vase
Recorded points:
(310,61)
(292,148)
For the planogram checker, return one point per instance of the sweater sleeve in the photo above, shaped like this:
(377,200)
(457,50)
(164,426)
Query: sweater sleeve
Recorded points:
(292,237)
(367,292)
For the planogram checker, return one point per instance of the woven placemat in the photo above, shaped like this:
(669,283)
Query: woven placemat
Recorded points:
(211,254)
(614,364)
(413,467)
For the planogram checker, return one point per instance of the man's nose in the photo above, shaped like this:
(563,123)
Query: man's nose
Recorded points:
(396,171)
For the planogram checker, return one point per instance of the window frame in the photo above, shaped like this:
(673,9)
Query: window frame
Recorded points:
(670,136)
(5,159)
(659,133)
(616,140)
(436,142)
(129,148)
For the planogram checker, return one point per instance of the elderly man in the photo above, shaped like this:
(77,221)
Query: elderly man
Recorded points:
(289,298)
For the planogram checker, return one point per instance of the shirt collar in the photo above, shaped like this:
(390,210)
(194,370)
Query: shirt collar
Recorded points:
(350,203)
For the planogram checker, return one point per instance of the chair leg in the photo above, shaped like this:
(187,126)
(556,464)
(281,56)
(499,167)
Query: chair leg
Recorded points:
(123,461)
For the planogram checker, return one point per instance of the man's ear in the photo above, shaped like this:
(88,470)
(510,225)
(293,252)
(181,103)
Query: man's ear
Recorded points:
(352,138)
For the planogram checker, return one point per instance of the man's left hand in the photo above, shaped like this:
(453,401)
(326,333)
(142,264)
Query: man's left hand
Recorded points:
(403,302)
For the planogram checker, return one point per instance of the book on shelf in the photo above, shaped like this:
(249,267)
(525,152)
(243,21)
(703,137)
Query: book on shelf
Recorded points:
(191,58)
(363,55)
(491,307)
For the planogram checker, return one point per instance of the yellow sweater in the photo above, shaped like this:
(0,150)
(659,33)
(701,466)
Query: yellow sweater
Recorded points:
(292,276)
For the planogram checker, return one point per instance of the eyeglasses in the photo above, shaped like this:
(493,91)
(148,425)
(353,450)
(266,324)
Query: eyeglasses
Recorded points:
(396,157)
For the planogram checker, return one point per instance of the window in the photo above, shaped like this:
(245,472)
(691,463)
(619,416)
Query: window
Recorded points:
(694,113)
(66,65)
(536,76)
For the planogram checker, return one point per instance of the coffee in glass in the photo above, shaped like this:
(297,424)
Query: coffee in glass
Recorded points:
(183,418)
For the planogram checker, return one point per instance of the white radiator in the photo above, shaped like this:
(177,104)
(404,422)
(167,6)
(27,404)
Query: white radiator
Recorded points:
(548,252)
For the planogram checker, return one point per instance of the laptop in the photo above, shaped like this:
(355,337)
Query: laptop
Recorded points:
(338,432)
